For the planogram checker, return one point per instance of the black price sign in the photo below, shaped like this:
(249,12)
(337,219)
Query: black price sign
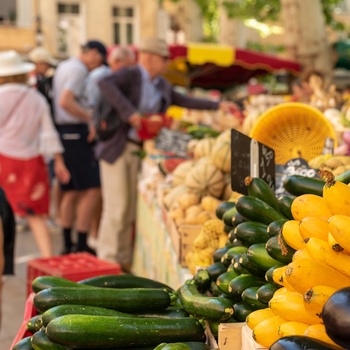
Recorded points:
(250,158)
(295,166)
(173,141)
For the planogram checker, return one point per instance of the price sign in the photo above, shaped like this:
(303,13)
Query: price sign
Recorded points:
(173,141)
(250,158)
(295,166)
(328,147)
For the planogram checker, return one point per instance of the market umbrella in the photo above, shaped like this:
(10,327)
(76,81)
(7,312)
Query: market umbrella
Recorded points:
(217,66)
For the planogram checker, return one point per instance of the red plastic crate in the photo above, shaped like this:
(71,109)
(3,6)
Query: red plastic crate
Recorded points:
(29,312)
(74,267)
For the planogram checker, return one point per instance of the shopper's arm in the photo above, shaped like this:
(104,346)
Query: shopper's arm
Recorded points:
(111,90)
(69,103)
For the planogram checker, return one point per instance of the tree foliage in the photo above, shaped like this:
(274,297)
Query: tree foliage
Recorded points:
(269,10)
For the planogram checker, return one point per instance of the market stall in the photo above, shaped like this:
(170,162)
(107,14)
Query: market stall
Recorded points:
(220,67)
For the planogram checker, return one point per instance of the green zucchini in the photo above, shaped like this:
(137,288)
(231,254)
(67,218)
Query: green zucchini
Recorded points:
(202,306)
(182,346)
(130,300)
(254,209)
(123,281)
(214,290)
(258,255)
(251,232)
(66,309)
(268,275)
(239,269)
(242,282)
(40,341)
(279,250)
(81,331)
(219,253)
(250,298)
(223,281)
(238,243)
(343,177)
(275,227)
(259,188)
(42,282)
(285,205)
(250,267)
(222,208)
(238,219)
(231,235)
(202,280)
(215,270)
(266,291)
(227,228)
(241,311)
(214,328)
(24,344)
(229,214)
(34,323)
(171,311)
(298,185)
(234,251)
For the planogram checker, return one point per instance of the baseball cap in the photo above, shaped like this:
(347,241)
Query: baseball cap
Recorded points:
(156,46)
(98,45)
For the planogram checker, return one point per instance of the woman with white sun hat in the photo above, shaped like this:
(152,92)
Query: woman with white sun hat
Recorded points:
(27,134)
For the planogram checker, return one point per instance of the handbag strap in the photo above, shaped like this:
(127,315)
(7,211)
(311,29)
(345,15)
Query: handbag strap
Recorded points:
(16,105)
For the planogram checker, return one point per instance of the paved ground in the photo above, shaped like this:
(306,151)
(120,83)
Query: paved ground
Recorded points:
(15,290)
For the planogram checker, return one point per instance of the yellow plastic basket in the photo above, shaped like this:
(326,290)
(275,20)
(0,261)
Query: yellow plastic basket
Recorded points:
(293,130)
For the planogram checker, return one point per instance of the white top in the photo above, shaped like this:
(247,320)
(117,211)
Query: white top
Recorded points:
(70,75)
(28,131)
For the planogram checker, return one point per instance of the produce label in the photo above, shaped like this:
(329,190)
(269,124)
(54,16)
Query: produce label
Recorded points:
(250,158)
(173,141)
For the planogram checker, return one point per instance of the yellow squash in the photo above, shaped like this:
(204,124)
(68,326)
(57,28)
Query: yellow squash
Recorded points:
(266,332)
(279,277)
(309,205)
(334,244)
(292,328)
(336,194)
(323,253)
(316,297)
(257,316)
(290,306)
(290,233)
(314,226)
(303,274)
(301,254)
(339,227)
(318,331)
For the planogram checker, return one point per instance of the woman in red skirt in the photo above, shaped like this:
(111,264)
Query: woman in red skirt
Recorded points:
(27,134)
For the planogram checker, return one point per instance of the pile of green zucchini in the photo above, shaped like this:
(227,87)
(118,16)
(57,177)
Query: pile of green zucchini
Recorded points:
(240,279)
(110,312)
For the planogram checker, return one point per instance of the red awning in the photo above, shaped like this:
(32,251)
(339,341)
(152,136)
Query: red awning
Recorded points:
(240,65)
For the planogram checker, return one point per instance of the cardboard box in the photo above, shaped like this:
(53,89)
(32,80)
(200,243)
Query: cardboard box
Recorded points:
(182,237)
(230,336)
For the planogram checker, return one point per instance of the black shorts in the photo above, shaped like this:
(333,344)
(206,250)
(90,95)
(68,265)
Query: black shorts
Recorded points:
(79,158)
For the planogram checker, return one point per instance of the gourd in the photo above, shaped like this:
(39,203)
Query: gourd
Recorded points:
(173,193)
(205,179)
(204,147)
(187,199)
(181,171)
(221,154)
